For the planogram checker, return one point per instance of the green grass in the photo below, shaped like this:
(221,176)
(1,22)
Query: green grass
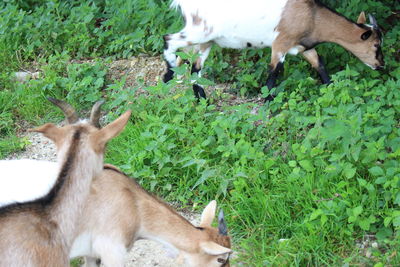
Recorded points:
(301,182)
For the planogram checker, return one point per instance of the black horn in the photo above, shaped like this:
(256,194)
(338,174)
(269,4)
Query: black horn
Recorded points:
(222,228)
(68,110)
(95,114)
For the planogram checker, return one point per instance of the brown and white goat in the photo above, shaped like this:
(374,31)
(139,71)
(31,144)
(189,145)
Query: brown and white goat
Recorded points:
(119,211)
(41,232)
(287,26)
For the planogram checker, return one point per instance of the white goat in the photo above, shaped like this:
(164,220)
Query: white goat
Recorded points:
(24,180)
(288,26)
(41,232)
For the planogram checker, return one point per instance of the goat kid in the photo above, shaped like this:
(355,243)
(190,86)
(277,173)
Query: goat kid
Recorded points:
(41,232)
(119,211)
(287,26)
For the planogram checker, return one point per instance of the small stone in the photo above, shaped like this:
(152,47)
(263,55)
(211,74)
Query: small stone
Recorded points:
(22,76)
(374,244)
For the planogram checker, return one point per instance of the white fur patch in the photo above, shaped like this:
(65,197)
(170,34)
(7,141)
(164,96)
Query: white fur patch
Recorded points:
(281,57)
(25,179)
(82,246)
(295,50)
(232,24)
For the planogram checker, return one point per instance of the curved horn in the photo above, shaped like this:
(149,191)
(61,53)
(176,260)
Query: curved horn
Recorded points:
(68,110)
(372,21)
(95,114)
(222,227)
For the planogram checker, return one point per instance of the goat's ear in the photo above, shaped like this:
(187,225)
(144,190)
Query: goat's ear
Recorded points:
(212,248)
(51,131)
(362,19)
(208,214)
(102,136)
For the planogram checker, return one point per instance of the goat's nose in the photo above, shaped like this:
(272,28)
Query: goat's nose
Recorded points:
(379,67)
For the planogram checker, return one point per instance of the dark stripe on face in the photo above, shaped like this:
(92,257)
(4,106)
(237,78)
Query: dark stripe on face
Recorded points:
(40,203)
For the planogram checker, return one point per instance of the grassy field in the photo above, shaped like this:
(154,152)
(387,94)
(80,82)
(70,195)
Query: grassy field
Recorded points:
(302,182)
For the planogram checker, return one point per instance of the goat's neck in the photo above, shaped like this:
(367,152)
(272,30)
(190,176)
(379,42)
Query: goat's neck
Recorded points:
(332,27)
(160,223)
(79,167)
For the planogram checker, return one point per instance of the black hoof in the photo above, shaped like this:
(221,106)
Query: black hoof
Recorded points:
(199,91)
(168,76)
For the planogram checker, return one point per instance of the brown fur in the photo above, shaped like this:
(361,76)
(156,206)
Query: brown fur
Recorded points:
(196,19)
(119,208)
(41,232)
(317,24)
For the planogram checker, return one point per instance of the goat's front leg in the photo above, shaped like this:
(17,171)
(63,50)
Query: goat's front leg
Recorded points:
(204,51)
(276,67)
(280,47)
(317,63)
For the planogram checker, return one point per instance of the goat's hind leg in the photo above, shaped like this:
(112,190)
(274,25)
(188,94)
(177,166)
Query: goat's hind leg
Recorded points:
(187,37)
(172,42)
(280,47)
(276,67)
(204,51)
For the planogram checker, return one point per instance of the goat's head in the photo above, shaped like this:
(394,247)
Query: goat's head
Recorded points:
(368,44)
(90,133)
(214,249)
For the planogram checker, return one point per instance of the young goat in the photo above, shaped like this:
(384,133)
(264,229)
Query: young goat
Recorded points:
(41,232)
(119,212)
(287,26)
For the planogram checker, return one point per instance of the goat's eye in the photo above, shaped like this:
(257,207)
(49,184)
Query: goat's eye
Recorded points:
(366,35)
(220,260)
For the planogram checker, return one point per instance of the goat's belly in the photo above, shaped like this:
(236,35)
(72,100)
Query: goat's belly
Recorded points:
(240,42)
(248,32)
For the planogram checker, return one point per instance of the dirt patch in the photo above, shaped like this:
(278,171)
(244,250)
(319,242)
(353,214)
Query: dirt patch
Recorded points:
(142,71)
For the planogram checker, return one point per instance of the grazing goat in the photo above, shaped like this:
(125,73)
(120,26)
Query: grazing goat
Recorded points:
(41,232)
(287,26)
(119,211)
